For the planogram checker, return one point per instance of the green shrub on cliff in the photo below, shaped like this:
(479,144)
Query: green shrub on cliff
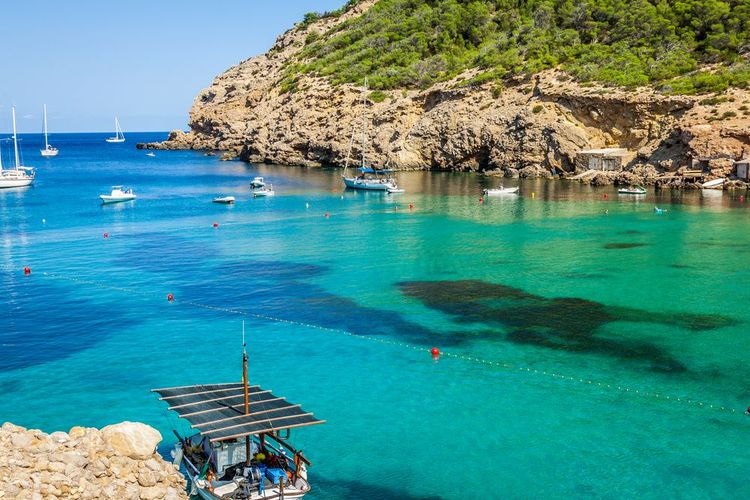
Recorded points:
(415,43)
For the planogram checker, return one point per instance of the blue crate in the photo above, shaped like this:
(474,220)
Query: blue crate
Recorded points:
(274,475)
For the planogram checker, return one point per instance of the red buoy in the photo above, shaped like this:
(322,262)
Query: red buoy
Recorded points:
(742,197)
(328,216)
(27,270)
(170,297)
(748,410)
(606,196)
(106,235)
(435,353)
(481,199)
(411,206)
(216,224)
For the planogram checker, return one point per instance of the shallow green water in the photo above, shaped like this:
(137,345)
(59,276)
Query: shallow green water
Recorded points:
(586,353)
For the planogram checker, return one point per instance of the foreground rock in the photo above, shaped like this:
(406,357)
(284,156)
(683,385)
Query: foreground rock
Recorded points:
(541,122)
(119,461)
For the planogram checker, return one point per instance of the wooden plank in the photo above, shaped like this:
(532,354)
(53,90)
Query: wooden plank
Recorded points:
(228,438)
(217,408)
(196,426)
(186,394)
(222,429)
(202,401)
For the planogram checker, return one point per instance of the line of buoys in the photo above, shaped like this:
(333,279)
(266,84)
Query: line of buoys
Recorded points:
(435,353)
(388,341)
(27,270)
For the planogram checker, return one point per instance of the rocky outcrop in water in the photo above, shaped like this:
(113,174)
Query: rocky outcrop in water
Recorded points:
(118,461)
(530,127)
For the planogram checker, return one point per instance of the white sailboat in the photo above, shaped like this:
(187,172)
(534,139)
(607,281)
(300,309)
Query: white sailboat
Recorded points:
(380,181)
(20,176)
(119,136)
(48,149)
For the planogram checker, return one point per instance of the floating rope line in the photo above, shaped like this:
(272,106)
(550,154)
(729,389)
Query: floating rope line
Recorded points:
(463,357)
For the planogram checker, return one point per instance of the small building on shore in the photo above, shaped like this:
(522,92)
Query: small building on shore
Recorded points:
(742,169)
(611,159)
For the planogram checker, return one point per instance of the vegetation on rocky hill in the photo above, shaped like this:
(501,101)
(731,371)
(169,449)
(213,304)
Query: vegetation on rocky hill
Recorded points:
(679,46)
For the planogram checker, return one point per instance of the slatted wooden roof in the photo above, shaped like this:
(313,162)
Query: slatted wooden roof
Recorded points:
(218,410)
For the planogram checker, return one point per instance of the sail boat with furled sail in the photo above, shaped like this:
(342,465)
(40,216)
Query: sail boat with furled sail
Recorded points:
(370,178)
(239,451)
(119,136)
(19,176)
(48,150)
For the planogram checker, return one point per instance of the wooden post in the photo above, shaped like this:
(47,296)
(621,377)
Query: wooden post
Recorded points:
(296,467)
(281,487)
(247,397)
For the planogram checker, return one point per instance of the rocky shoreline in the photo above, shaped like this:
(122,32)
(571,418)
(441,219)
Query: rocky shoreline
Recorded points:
(118,461)
(532,127)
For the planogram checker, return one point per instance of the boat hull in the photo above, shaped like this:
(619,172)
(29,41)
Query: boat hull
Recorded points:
(112,139)
(48,152)
(366,185)
(106,200)
(500,192)
(226,201)
(15,183)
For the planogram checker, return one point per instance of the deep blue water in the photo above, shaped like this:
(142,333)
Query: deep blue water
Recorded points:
(586,353)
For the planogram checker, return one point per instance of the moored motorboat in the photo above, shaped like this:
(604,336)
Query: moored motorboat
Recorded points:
(227,200)
(500,191)
(395,190)
(264,191)
(714,184)
(117,195)
(257,182)
(638,190)
(151,154)
(238,451)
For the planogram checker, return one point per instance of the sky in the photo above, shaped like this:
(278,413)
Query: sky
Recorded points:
(142,60)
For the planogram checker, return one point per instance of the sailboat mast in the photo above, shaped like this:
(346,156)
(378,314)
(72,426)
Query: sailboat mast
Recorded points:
(364,123)
(247,397)
(46,142)
(15,137)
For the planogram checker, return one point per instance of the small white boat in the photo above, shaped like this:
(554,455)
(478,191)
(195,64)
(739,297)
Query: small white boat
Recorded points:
(151,154)
(264,191)
(637,190)
(48,150)
(500,191)
(119,136)
(117,195)
(258,182)
(227,200)
(395,190)
(714,184)
(19,176)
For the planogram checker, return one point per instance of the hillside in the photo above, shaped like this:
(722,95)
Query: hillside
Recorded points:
(498,86)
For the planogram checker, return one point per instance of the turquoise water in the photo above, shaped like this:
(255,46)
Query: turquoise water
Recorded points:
(586,354)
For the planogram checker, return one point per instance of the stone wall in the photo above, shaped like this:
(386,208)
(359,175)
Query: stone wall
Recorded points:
(118,461)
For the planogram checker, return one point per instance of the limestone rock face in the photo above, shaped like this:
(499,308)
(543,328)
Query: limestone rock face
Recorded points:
(132,439)
(540,122)
(117,462)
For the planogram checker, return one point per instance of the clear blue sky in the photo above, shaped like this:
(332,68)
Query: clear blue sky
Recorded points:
(143,61)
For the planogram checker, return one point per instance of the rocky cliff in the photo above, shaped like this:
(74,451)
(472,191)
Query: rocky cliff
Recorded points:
(118,461)
(532,127)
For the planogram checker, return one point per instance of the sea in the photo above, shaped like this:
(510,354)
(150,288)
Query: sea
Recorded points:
(590,347)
